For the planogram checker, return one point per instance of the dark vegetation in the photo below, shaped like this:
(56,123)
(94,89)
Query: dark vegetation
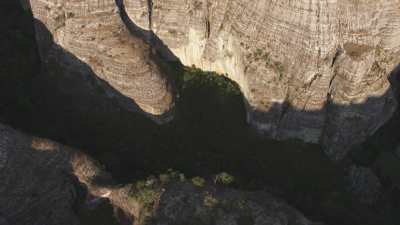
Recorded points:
(209,134)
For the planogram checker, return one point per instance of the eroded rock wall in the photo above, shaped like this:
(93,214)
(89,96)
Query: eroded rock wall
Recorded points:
(89,37)
(314,70)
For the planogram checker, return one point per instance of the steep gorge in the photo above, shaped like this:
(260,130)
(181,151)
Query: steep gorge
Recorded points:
(300,64)
(209,135)
(320,73)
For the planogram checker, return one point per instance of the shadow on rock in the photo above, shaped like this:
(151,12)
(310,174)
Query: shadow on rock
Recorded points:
(71,104)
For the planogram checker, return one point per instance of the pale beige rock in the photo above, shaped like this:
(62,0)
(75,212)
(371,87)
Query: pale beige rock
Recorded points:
(93,32)
(314,70)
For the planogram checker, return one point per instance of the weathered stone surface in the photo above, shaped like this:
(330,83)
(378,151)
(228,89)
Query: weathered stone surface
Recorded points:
(184,203)
(40,182)
(314,70)
(43,182)
(35,184)
(93,32)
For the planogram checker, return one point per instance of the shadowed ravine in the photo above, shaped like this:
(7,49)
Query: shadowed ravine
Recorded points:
(209,134)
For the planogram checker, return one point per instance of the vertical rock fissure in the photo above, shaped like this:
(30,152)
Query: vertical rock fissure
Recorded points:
(207,18)
(150,13)
(337,54)
(152,36)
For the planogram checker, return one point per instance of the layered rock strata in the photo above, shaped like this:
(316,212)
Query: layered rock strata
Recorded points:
(89,37)
(313,70)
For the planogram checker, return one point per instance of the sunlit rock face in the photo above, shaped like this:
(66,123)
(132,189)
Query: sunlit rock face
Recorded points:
(314,70)
(93,32)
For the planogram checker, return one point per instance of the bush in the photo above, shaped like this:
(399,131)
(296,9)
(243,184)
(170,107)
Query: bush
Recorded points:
(198,181)
(210,201)
(224,178)
(146,192)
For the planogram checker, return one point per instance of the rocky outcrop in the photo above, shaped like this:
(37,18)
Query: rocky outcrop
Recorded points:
(42,182)
(88,38)
(36,184)
(314,70)
(187,204)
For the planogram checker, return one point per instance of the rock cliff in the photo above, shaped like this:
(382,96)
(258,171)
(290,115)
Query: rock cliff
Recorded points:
(43,182)
(122,64)
(37,186)
(314,70)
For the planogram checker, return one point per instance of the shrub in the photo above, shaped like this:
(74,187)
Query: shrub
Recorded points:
(146,196)
(224,178)
(210,201)
(198,181)
(145,192)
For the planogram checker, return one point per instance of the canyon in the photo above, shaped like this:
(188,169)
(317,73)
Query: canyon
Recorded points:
(297,100)
(43,181)
(298,63)
(320,74)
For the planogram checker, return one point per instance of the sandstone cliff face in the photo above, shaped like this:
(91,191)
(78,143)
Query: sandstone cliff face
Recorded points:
(93,32)
(41,183)
(314,70)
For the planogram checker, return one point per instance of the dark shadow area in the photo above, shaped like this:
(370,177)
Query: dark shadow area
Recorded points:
(67,102)
(19,63)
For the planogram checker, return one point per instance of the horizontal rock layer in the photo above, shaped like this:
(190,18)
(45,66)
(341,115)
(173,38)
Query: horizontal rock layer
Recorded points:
(314,70)
(89,37)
